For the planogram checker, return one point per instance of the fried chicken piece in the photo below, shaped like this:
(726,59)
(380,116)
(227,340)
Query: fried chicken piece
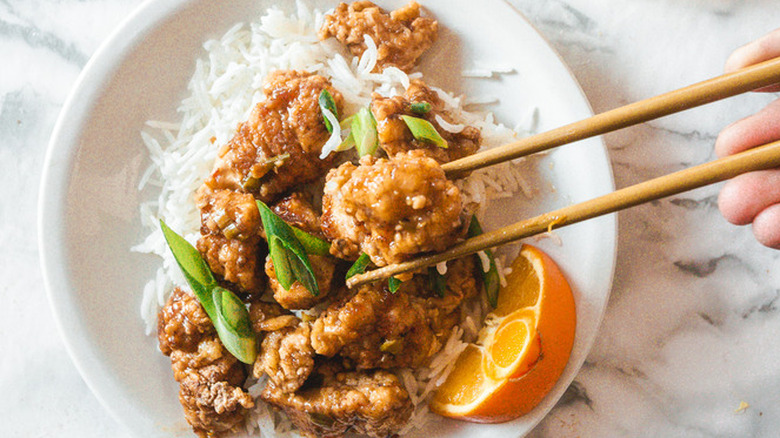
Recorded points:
(297,211)
(268,317)
(344,321)
(462,282)
(372,403)
(230,234)
(395,136)
(209,377)
(401,36)
(298,297)
(374,328)
(391,209)
(182,324)
(288,123)
(286,356)
(400,337)
(212,398)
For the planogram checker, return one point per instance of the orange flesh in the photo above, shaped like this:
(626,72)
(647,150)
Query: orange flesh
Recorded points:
(524,352)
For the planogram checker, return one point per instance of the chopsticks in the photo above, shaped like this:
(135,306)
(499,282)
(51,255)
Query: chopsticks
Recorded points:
(711,90)
(759,158)
(720,87)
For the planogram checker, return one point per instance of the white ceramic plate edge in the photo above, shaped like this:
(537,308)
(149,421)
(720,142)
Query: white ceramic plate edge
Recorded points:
(88,85)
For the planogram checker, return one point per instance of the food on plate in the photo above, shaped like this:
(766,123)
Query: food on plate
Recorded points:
(391,208)
(279,146)
(372,403)
(400,37)
(210,378)
(230,225)
(295,166)
(522,349)
(422,102)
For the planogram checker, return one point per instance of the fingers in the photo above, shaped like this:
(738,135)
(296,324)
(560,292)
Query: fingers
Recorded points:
(760,128)
(766,227)
(762,49)
(743,199)
(753,197)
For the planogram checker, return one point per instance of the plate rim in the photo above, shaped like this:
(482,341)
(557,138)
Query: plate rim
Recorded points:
(56,168)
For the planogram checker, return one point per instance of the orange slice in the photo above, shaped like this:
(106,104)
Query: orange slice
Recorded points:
(521,351)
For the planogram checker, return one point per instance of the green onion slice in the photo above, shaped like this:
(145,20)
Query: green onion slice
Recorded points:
(422,130)
(346,123)
(393,284)
(327,103)
(490,279)
(260,169)
(234,327)
(347,144)
(392,346)
(291,263)
(438,281)
(364,132)
(420,107)
(359,266)
(311,244)
(226,311)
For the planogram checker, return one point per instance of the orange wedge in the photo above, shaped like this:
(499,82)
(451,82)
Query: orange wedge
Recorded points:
(521,351)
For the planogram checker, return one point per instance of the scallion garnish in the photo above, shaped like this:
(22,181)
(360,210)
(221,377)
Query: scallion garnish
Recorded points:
(226,311)
(392,346)
(291,263)
(311,244)
(349,141)
(364,132)
(490,277)
(347,144)
(359,266)
(233,316)
(327,103)
(423,130)
(393,284)
(420,107)
(260,169)
(438,281)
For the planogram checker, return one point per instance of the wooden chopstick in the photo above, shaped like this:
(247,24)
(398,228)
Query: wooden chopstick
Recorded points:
(720,87)
(759,158)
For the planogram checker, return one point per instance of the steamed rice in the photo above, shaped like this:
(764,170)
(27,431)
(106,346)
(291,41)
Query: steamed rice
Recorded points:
(224,88)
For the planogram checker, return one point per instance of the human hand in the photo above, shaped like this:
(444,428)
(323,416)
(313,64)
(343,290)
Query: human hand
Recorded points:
(753,197)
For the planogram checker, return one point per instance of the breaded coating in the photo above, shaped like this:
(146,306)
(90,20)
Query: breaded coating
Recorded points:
(288,123)
(371,403)
(287,357)
(230,234)
(210,378)
(390,209)
(297,211)
(401,36)
(374,328)
(395,136)
(298,297)
(268,317)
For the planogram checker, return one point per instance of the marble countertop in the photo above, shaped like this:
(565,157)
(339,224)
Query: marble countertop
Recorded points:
(688,344)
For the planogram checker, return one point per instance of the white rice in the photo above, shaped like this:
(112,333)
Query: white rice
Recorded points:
(455,128)
(224,88)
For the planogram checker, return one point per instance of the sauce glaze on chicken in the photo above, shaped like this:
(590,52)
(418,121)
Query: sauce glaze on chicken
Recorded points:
(328,360)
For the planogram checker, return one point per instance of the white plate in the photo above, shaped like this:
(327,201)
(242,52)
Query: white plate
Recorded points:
(89,200)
